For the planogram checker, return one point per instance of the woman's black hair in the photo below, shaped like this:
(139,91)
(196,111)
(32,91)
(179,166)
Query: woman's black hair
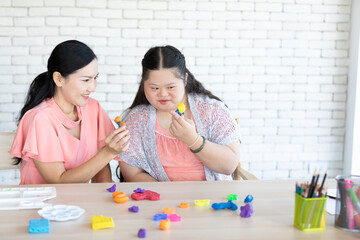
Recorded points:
(66,58)
(167,57)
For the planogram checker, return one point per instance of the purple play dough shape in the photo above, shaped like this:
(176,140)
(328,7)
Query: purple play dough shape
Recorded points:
(112,189)
(246,210)
(134,209)
(139,190)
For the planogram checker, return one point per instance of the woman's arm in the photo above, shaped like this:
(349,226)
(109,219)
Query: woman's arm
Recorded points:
(55,172)
(134,174)
(218,158)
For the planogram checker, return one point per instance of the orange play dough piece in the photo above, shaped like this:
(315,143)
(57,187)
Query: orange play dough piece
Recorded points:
(164,224)
(120,197)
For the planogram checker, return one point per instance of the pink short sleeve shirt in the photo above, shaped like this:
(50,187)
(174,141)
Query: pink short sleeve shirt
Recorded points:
(42,135)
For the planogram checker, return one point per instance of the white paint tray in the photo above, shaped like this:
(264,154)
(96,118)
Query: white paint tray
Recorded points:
(25,197)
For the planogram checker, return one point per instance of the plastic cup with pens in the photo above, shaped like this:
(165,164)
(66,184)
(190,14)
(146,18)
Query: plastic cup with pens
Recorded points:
(310,202)
(347,210)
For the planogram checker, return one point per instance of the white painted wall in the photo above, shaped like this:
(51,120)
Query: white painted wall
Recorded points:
(280,65)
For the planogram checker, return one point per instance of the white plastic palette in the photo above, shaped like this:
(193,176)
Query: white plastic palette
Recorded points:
(61,212)
(25,197)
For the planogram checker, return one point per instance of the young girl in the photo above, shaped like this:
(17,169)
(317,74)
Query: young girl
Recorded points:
(201,145)
(63,135)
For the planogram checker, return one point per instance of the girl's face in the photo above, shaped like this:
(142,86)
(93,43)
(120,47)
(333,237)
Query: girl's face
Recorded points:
(164,90)
(74,90)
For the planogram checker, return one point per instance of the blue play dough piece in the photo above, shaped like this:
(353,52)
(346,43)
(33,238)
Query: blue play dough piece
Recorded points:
(248,198)
(39,226)
(158,217)
(229,205)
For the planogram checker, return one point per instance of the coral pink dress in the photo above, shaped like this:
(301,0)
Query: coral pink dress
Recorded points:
(42,135)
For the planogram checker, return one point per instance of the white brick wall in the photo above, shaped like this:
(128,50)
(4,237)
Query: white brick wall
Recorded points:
(280,66)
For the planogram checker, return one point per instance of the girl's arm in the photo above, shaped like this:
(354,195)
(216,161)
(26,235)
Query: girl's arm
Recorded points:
(218,158)
(55,172)
(104,175)
(134,174)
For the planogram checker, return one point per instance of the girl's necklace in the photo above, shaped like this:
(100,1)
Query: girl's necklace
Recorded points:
(164,135)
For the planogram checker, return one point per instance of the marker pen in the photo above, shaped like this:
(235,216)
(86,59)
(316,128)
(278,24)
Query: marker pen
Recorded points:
(354,199)
(350,210)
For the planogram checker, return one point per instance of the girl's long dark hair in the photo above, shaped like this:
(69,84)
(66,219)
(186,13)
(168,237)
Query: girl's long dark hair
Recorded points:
(66,58)
(167,57)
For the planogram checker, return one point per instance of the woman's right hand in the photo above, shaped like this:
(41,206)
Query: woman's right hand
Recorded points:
(117,141)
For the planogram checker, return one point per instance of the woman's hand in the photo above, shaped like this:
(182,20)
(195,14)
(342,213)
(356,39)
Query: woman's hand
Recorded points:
(117,141)
(183,129)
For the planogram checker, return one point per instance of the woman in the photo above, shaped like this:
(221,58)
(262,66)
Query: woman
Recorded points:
(63,135)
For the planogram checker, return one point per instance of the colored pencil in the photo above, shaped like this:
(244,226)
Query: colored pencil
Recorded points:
(312,182)
(315,185)
(322,184)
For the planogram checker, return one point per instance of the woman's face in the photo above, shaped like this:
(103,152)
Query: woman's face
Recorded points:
(76,88)
(164,90)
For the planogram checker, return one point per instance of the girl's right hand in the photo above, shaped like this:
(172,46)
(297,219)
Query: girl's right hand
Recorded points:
(117,141)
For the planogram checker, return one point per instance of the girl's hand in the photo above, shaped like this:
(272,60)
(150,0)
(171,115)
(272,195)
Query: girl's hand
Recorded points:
(183,129)
(117,141)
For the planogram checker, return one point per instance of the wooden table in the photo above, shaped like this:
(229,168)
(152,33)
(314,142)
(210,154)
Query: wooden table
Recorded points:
(272,218)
